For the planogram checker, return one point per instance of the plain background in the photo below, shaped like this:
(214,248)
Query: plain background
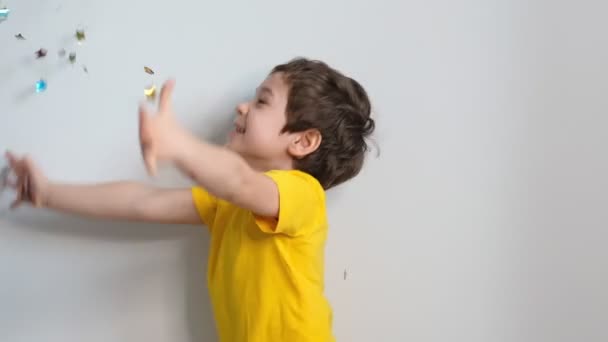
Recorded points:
(483,218)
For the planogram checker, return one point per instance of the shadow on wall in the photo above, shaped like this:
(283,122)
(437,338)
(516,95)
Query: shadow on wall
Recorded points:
(200,322)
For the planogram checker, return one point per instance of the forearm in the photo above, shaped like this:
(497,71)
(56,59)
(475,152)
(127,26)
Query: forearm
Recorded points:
(217,169)
(117,200)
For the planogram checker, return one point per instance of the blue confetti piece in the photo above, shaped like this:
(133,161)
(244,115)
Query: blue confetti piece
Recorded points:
(4,12)
(40,86)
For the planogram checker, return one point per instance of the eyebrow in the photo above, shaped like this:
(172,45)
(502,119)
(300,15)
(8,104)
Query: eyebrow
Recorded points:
(266,90)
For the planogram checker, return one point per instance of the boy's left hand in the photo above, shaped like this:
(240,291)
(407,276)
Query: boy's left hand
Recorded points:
(159,133)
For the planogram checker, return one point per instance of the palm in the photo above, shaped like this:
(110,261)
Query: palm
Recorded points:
(157,130)
(30,183)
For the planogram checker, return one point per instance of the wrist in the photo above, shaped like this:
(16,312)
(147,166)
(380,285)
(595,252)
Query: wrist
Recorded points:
(180,143)
(46,194)
(183,146)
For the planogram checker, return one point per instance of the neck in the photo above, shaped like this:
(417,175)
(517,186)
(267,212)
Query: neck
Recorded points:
(262,165)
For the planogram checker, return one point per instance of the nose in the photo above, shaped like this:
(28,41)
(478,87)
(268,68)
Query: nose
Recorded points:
(242,108)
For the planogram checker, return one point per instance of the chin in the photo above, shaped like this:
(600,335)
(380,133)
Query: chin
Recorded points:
(230,142)
(234,147)
(230,145)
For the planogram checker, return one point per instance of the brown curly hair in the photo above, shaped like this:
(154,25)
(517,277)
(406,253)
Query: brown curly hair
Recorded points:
(322,98)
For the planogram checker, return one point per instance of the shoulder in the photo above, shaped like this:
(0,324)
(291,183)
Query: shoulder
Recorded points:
(301,203)
(298,181)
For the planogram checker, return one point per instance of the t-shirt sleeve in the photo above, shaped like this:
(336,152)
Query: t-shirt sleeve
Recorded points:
(206,205)
(301,204)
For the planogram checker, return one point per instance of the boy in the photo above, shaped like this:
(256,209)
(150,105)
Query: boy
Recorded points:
(261,196)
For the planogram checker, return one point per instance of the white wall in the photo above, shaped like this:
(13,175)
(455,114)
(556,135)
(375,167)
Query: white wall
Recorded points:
(483,219)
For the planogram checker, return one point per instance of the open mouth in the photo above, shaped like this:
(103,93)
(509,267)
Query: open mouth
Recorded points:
(239,129)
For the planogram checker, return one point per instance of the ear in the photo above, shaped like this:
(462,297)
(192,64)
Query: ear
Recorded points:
(304,143)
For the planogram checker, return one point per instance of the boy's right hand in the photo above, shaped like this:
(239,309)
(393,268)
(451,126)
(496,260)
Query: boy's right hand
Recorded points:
(30,184)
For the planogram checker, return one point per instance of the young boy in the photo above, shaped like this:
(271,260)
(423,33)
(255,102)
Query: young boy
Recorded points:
(262,196)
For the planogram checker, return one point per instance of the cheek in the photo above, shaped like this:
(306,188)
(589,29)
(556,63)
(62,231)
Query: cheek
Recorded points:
(257,136)
(259,129)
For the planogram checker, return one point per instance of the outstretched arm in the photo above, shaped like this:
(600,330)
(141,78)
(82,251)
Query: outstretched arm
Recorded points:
(123,200)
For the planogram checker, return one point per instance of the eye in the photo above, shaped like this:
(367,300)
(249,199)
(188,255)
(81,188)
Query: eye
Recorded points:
(261,101)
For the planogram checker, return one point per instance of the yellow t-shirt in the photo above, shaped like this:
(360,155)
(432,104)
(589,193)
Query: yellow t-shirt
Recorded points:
(265,276)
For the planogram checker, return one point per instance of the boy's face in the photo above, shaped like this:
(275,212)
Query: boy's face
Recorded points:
(257,128)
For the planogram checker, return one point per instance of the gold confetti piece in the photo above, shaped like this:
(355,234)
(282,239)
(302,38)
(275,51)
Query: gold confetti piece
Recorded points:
(41,53)
(150,92)
(20,36)
(80,35)
(72,57)
(148,70)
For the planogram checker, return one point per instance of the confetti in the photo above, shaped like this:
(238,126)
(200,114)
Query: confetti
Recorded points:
(40,86)
(20,36)
(4,12)
(72,57)
(41,53)
(62,53)
(84,67)
(150,92)
(148,70)
(80,36)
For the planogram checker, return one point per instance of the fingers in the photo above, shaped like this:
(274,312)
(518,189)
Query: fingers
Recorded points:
(33,194)
(9,155)
(150,160)
(143,116)
(20,194)
(145,142)
(23,186)
(149,155)
(145,138)
(29,190)
(26,195)
(15,164)
(12,160)
(166,93)
(26,192)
